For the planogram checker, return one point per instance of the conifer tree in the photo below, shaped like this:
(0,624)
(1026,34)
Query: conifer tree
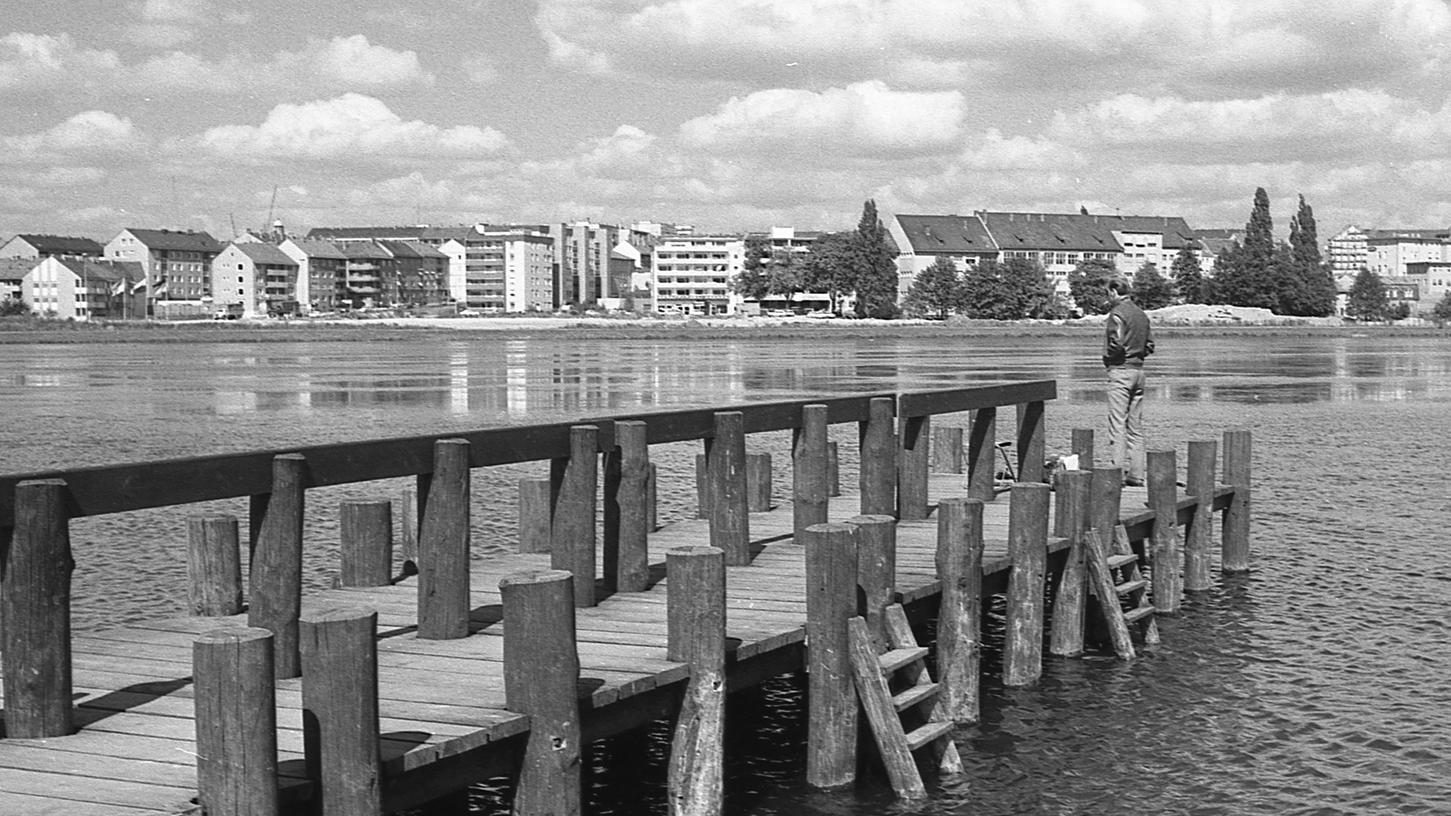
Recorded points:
(1311,286)
(1188,276)
(1151,290)
(874,266)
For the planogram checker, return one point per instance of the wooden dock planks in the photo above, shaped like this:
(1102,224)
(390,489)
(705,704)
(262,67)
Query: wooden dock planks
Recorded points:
(134,752)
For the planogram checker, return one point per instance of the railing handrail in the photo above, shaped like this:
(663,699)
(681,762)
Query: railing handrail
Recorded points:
(116,488)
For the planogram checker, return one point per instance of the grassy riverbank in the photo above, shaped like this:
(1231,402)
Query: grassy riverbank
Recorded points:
(30,330)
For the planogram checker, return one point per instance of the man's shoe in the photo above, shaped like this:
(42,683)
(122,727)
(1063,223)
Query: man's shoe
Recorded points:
(1132,482)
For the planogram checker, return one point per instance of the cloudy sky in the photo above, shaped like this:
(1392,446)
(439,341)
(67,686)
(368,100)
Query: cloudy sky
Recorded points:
(726,114)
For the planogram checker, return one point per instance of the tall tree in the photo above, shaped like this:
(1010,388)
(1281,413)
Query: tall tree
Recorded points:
(1151,290)
(828,267)
(1088,285)
(1367,297)
(874,266)
(1259,239)
(784,273)
(1309,285)
(937,290)
(1188,276)
(1010,290)
(751,283)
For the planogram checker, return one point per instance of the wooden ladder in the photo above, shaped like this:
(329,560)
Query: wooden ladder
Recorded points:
(898,693)
(1125,601)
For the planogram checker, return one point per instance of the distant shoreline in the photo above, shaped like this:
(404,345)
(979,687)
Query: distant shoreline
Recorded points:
(393,329)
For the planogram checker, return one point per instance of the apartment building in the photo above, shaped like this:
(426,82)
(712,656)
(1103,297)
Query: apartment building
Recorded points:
(692,275)
(82,288)
(1389,252)
(582,253)
(259,277)
(35,247)
(177,264)
(1347,251)
(321,275)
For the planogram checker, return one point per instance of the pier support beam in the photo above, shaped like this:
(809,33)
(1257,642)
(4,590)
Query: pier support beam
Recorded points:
(878,459)
(876,571)
(1081,443)
(1167,558)
(340,711)
(536,508)
(236,722)
(366,543)
(1031,454)
(730,523)
(443,545)
(214,565)
(946,450)
(1198,536)
(576,483)
(913,434)
(1235,528)
(809,485)
(541,678)
(758,482)
(1070,601)
(959,619)
(831,601)
(982,443)
(627,521)
(696,584)
(1028,546)
(275,577)
(35,606)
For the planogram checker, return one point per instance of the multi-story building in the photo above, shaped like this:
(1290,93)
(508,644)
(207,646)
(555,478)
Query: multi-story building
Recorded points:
(36,247)
(1347,251)
(12,275)
(582,252)
(366,271)
(82,288)
(321,273)
(1059,242)
(421,277)
(528,271)
(177,264)
(1432,280)
(692,274)
(1389,252)
(260,277)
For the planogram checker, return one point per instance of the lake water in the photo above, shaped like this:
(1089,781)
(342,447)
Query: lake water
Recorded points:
(1317,684)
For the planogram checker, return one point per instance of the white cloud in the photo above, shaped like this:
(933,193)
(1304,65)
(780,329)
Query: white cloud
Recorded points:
(350,126)
(866,118)
(88,133)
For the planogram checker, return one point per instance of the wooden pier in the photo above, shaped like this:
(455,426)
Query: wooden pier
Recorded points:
(388,694)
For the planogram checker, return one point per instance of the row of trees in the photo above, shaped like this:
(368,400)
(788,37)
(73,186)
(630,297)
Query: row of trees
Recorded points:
(1287,279)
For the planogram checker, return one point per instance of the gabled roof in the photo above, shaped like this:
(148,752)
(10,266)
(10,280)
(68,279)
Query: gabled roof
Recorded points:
(1050,232)
(62,245)
(318,249)
(264,253)
(367,233)
(13,269)
(946,234)
(176,240)
(110,271)
(412,249)
(1391,235)
(364,249)
(1175,231)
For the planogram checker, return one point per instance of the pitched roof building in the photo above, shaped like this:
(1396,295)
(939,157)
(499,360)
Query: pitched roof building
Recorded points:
(38,246)
(177,263)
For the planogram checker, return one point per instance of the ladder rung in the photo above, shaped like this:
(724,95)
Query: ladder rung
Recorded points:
(1116,561)
(1138,613)
(927,733)
(1129,586)
(914,695)
(895,659)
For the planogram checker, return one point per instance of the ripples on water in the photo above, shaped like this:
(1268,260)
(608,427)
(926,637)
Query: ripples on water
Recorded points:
(1318,684)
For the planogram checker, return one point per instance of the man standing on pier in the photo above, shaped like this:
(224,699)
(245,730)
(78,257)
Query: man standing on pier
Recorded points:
(1127,341)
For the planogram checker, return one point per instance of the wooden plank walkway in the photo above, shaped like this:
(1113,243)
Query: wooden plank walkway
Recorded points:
(442,701)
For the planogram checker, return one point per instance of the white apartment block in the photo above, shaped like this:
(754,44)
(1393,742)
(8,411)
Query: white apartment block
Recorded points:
(691,275)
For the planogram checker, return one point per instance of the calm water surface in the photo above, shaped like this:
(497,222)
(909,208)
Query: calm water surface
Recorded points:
(1317,684)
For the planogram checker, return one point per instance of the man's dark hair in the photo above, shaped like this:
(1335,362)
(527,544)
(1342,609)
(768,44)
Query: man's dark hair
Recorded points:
(1121,286)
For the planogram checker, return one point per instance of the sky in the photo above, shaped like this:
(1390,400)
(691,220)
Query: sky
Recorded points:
(725,114)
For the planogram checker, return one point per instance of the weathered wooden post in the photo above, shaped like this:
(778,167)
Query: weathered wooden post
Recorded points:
(627,522)
(35,606)
(536,506)
(443,545)
(1199,483)
(652,503)
(878,465)
(696,607)
(982,441)
(913,458)
(946,450)
(236,722)
(275,578)
(1081,443)
(214,565)
(1234,554)
(831,601)
(876,570)
(409,522)
(1162,469)
(1070,601)
(340,711)
(758,482)
(541,678)
(1030,441)
(1028,546)
(702,484)
(366,540)
(809,478)
(959,620)
(1105,499)
(730,522)
(576,482)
